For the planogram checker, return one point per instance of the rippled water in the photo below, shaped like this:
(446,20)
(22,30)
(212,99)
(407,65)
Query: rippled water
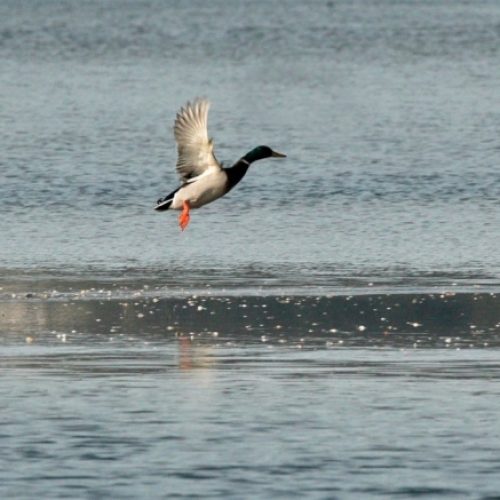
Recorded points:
(330,329)
(388,112)
(126,393)
(181,421)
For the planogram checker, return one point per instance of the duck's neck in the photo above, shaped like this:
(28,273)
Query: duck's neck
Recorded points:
(239,169)
(237,172)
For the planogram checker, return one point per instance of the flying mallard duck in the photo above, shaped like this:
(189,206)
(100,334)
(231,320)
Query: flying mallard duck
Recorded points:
(203,177)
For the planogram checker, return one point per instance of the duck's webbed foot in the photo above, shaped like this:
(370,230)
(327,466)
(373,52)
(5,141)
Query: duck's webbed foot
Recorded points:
(184,217)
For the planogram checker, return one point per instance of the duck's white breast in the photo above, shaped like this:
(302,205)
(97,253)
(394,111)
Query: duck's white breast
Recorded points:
(205,189)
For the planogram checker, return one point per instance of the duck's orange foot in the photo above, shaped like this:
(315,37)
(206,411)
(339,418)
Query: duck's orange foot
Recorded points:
(184,217)
(184,220)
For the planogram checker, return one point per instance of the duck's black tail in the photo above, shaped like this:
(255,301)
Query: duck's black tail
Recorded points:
(164,203)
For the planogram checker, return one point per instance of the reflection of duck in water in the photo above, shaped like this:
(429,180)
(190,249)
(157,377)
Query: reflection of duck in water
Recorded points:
(203,177)
(195,357)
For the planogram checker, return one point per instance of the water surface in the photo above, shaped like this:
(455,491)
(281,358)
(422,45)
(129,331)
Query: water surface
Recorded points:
(330,329)
(389,115)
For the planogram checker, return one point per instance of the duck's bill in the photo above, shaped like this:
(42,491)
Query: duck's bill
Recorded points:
(275,154)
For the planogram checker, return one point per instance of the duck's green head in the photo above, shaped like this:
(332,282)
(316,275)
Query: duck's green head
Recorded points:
(261,152)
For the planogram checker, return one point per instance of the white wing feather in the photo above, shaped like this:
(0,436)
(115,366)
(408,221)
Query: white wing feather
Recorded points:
(195,149)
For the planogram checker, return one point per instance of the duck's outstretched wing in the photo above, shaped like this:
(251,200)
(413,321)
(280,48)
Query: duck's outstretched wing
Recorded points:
(195,149)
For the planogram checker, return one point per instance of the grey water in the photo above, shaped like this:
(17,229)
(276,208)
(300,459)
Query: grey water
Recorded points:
(330,329)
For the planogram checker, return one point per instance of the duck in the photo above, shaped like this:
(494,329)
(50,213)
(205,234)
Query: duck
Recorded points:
(203,178)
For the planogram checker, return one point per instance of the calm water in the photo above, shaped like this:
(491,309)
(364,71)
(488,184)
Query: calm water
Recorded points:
(250,396)
(119,392)
(328,330)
